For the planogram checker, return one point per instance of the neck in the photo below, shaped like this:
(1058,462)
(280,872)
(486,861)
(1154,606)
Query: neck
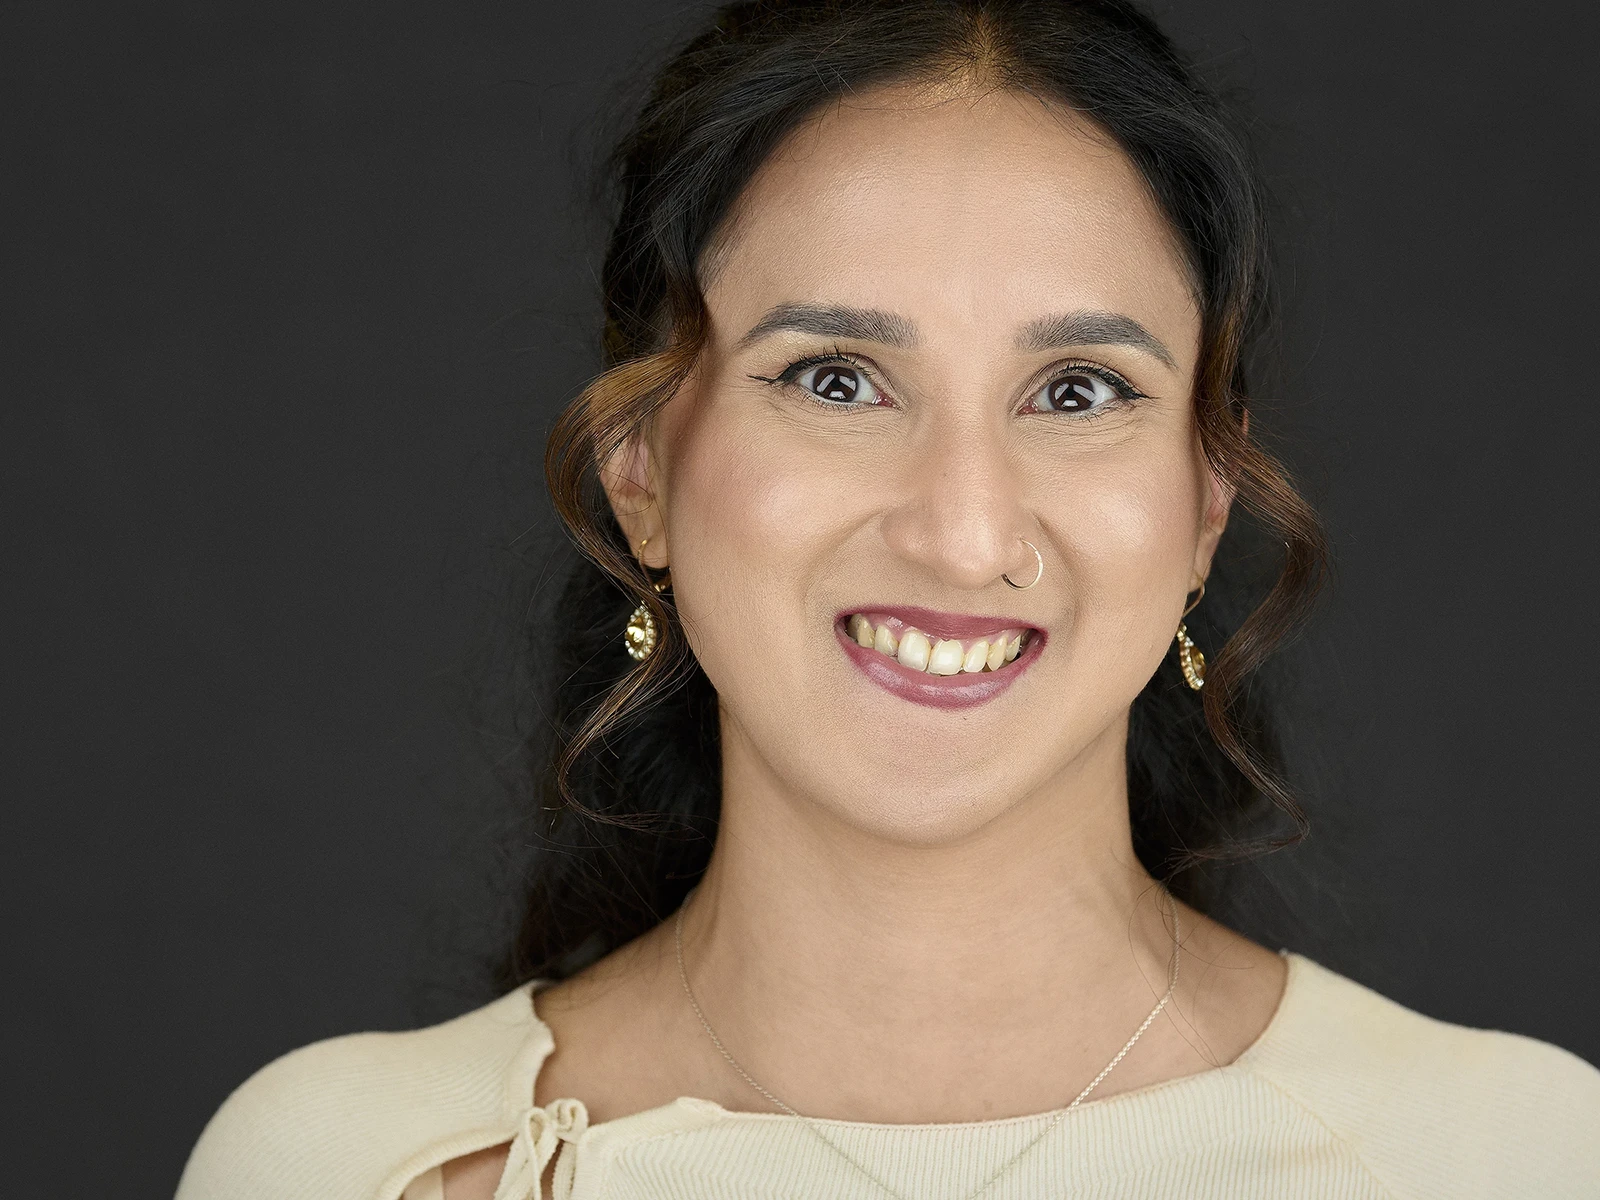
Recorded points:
(989,974)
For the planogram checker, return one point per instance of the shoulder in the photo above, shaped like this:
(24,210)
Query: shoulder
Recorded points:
(1423,1101)
(343,1117)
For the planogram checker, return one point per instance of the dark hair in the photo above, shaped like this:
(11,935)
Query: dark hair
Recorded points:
(628,769)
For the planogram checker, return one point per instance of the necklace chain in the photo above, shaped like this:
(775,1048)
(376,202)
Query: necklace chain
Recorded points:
(683,974)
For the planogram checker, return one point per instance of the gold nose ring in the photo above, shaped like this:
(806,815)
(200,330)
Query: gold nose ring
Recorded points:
(1022,587)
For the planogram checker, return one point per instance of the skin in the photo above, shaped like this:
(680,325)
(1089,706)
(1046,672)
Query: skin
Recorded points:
(916,915)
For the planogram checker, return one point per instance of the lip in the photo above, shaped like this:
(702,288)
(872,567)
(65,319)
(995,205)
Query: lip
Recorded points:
(939,691)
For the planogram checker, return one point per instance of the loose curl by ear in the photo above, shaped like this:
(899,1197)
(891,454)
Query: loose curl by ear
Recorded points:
(1264,489)
(631,764)
(611,410)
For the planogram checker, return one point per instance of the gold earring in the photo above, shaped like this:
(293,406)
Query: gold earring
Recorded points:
(1190,660)
(640,635)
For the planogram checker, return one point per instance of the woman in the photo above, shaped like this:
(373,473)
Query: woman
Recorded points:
(923,421)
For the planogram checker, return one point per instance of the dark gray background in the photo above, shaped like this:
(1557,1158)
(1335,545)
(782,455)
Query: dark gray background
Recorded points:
(291,294)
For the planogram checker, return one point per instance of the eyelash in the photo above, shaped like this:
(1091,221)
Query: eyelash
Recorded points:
(1126,393)
(786,377)
(800,366)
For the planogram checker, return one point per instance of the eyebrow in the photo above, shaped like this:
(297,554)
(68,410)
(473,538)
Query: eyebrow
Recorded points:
(1062,330)
(1056,332)
(835,320)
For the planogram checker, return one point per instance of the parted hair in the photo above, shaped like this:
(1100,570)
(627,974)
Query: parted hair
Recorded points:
(623,774)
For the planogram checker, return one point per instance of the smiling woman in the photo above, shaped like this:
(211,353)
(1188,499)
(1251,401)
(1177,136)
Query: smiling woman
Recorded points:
(884,841)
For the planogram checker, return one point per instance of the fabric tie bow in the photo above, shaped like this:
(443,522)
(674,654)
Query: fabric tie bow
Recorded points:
(542,1131)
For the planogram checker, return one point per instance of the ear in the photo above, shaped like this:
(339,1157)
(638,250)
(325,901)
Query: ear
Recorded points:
(1219,502)
(629,477)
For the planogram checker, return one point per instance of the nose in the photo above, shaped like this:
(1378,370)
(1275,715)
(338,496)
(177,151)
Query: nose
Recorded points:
(960,511)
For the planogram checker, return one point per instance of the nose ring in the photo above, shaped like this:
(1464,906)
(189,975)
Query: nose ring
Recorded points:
(1022,587)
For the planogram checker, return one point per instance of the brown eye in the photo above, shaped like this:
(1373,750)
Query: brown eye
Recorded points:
(836,382)
(1076,392)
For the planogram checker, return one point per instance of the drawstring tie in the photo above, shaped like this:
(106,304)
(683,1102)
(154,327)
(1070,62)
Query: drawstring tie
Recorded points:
(542,1132)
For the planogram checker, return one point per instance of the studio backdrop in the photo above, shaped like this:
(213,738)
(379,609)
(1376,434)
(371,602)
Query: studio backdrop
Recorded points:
(292,293)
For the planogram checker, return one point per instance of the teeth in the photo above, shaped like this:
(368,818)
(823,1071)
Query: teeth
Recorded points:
(937,656)
(914,650)
(946,659)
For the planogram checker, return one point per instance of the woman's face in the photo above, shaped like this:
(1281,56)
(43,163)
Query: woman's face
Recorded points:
(937,327)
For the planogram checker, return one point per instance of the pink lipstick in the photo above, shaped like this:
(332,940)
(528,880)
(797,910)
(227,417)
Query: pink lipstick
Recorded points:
(956,689)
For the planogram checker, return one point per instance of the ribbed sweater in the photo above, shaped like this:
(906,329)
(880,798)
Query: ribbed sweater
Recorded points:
(1344,1094)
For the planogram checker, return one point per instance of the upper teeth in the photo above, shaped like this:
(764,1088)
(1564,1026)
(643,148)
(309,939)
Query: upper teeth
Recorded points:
(937,656)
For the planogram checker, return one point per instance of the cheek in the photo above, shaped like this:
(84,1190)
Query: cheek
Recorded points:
(1128,527)
(753,517)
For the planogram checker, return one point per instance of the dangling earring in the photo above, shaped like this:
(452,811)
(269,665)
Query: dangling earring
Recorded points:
(1190,660)
(640,635)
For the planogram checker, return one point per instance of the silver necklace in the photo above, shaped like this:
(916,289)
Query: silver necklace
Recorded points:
(683,974)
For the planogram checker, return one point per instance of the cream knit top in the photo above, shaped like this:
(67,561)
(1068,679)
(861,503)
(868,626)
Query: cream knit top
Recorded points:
(1344,1094)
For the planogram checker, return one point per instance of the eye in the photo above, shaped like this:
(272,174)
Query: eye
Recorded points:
(831,380)
(1083,391)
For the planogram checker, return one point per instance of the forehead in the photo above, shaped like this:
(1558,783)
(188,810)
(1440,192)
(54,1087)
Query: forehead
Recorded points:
(989,207)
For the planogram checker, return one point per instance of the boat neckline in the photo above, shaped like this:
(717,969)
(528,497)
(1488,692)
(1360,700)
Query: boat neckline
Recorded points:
(1298,969)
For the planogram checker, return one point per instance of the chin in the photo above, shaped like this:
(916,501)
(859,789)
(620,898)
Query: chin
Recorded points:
(914,811)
